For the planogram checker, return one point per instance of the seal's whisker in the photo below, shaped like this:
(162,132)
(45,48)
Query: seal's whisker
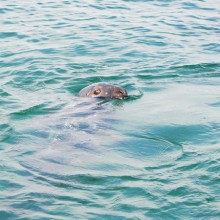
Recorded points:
(89,81)
(101,80)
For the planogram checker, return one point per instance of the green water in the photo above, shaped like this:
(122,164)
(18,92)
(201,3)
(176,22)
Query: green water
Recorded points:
(155,155)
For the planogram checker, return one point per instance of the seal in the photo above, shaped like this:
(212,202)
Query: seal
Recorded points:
(103,90)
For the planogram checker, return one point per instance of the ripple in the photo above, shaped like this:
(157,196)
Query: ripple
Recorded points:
(4,93)
(12,34)
(189,5)
(150,148)
(6,132)
(7,215)
(35,110)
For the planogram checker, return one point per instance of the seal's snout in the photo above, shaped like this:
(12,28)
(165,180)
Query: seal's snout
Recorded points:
(125,94)
(122,94)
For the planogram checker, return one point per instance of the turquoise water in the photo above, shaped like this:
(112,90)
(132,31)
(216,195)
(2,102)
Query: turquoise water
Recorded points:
(155,155)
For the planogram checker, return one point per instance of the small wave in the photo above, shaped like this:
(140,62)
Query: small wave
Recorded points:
(31,111)
(12,34)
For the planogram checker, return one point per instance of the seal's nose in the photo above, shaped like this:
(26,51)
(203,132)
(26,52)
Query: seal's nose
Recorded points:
(123,94)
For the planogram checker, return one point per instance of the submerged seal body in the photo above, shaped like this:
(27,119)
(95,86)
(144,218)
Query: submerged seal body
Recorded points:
(103,90)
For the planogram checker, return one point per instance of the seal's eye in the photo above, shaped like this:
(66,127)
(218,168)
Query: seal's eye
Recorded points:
(121,92)
(97,92)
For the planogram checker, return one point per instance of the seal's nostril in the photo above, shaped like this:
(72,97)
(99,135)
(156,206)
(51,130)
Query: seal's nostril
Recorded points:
(125,93)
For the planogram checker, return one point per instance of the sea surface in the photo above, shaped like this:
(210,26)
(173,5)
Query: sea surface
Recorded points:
(155,155)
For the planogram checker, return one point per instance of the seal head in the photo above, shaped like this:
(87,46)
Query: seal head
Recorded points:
(103,90)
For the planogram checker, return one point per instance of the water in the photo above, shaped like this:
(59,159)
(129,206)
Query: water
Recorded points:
(155,155)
